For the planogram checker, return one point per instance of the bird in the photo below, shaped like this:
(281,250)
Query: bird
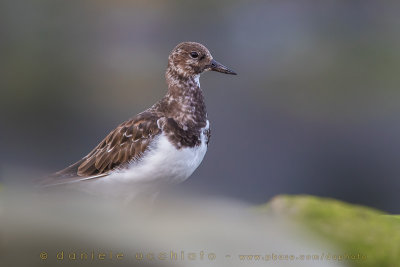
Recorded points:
(162,145)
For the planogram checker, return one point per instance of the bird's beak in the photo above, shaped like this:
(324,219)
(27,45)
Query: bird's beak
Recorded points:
(216,66)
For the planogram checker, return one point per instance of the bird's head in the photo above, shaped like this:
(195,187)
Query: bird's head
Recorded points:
(190,59)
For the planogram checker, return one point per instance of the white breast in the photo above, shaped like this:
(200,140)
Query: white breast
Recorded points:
(162,163)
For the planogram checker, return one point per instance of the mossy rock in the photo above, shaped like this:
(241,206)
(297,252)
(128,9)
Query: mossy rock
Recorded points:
(353,229)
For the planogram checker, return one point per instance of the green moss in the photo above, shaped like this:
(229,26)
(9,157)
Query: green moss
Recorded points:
(352,228)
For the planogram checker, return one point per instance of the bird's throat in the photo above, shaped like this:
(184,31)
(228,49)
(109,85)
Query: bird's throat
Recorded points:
(184,101)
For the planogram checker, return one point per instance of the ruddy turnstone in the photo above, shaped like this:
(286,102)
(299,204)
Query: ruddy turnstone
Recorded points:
(163,144)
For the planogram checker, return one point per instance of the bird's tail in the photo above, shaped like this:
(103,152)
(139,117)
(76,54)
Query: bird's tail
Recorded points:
(65,176)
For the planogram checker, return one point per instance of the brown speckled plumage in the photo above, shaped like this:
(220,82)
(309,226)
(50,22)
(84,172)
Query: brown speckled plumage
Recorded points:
(181,115)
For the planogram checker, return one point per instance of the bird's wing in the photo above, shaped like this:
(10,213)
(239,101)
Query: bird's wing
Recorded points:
(126,143)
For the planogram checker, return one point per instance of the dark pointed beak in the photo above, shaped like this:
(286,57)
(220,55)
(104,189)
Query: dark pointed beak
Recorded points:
(216,66)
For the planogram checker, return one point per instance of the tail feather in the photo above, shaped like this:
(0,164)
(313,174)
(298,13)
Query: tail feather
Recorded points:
(70,171)
(66,176)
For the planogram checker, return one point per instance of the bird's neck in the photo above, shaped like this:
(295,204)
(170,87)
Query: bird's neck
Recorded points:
(184,101)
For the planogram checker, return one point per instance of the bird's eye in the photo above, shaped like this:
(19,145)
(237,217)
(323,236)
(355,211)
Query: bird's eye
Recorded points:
(194,54)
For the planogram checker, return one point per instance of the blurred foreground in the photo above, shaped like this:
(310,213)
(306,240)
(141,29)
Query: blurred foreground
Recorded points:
(72,229)
(38,230)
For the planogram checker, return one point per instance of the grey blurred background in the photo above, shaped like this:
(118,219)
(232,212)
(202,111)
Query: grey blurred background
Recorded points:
(314,109)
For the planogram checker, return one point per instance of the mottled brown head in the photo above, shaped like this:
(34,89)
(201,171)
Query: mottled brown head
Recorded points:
(189,59)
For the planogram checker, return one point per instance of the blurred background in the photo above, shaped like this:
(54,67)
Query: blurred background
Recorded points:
(314,109)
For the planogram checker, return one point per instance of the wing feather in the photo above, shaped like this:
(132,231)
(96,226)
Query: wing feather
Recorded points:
(116,149)
(126,143)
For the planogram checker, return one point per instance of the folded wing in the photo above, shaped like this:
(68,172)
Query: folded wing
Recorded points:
(125,144)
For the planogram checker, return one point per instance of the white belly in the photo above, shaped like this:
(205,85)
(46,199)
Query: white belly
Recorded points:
(161,164)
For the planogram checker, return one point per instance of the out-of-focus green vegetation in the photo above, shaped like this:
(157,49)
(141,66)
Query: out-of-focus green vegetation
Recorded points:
(352,228)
